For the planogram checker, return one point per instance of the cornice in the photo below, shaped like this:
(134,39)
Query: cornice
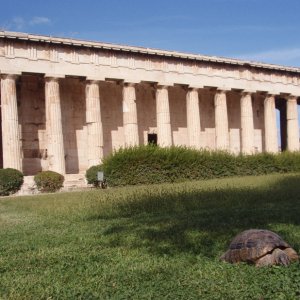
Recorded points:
(142,50)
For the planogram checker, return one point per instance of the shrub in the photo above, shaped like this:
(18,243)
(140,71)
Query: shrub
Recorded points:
(91,175)
(11,181)
(151,164)
(49,181)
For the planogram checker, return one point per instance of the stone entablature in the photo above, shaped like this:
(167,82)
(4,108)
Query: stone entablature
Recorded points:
(61,56)
(65,103)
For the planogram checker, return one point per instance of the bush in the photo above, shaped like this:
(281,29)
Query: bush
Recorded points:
(91,175)
(152,164)
(49,181)
(11,181)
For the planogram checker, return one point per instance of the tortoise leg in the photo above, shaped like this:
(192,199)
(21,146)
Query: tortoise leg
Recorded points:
(292,254)
(280,257)
(266,260)
(277,257)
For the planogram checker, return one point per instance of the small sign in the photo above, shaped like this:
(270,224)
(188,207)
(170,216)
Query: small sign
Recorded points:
(100,176)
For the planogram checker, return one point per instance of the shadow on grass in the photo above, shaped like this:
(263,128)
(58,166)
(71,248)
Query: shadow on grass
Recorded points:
(204,222)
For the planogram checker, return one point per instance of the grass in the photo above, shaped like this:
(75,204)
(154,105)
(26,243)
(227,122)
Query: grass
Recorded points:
(147,242)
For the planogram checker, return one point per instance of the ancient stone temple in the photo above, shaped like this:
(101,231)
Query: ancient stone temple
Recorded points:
(66,104)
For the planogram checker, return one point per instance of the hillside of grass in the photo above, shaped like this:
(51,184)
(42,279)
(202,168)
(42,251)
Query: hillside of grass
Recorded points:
(148,242)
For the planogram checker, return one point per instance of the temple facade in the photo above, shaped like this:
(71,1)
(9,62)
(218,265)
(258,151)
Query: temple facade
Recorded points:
(66,104)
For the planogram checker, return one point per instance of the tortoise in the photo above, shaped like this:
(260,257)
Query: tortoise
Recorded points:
(260,247)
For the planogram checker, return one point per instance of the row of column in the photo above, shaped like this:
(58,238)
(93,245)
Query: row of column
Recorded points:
(221,121)
(12,151)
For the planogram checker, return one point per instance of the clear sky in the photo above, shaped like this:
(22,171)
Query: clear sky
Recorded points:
(261,30)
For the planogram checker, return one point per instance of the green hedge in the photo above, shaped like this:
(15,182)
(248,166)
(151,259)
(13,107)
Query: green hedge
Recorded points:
(49,181)
(11,181)
(91,175)
(152,164)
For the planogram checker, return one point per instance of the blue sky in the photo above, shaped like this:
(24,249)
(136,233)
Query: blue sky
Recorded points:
(261,30)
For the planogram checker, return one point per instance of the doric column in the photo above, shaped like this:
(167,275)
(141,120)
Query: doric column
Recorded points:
(193,118)
(271,142)
(94,124)
(11,138)
(56,153)
(247,125)
(164,133)
(131,133)
(221,121)
(292,124)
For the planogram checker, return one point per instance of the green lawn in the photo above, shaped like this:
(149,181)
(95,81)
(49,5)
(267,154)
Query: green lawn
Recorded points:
(148,242)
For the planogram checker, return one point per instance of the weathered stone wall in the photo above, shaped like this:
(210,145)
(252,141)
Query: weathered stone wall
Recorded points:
(234,121)
(146,111)
(207,119)
(112,116)
(177,96)
(31,109)
(72,93)
(258,121)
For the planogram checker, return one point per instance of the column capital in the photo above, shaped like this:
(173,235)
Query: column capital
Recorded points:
(248,92)
(129,84)
(162,84)
(51,79)
(130,81)
(92,81)
(9,76)
(291,97)
(10,73)
(270,94)
(221,90)
(53,76)
(195,87)
(192,89)
(95,78)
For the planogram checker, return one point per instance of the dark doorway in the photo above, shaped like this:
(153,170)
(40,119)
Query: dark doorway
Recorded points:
(152,139)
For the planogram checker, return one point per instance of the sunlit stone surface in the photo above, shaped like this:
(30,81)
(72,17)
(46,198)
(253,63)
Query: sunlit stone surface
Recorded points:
(67,104)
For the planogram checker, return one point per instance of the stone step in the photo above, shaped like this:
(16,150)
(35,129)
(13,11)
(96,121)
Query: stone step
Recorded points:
(72,182)
(28,187)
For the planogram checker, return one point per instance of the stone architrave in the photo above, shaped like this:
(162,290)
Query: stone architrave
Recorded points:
(247,125)
(11,137)
(56,153)
(130,124)
(193,118)
(292,124)
(164,133)
(271,142)
(94,124)
(221,121)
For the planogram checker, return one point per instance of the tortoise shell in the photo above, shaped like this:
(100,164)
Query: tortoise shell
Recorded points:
(250,245)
